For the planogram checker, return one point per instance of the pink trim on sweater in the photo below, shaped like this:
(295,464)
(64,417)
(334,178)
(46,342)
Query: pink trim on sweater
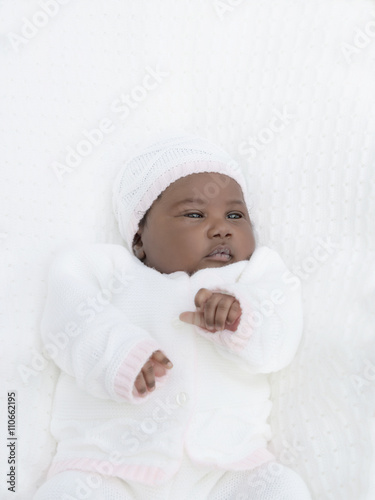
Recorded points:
(146,474)
(131,366)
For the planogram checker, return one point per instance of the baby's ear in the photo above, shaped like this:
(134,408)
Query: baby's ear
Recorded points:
(138,247)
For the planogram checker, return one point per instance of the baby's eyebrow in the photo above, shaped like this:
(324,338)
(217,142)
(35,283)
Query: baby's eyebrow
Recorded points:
(199,201)
(190,200)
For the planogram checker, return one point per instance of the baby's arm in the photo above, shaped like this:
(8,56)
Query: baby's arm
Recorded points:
(87,336)
(267,304)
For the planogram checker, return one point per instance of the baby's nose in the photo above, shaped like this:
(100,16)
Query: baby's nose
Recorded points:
(220,228)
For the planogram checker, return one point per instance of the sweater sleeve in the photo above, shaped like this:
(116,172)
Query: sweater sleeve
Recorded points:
(86,335)
(266,337)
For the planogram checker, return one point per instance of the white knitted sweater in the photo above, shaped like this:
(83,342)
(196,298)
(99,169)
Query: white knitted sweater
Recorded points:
(106,313)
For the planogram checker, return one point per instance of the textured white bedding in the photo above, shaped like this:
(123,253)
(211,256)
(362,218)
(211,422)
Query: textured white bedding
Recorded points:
(286,87)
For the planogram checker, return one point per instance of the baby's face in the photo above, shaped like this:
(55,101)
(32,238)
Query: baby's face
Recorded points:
(185,226)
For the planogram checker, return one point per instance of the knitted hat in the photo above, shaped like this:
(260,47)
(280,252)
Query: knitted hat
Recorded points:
(150,171)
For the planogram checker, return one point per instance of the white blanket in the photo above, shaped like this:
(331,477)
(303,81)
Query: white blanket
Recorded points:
(286,88)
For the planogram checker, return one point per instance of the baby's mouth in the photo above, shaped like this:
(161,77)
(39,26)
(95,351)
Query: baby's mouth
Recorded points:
(221,254)
(222,257)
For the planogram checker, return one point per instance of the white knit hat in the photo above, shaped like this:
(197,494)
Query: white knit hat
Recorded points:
(150,171)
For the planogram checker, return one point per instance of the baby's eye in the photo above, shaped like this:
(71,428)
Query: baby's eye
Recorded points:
(193,213)
(238,215)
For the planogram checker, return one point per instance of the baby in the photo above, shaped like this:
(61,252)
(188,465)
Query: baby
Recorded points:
(164,346)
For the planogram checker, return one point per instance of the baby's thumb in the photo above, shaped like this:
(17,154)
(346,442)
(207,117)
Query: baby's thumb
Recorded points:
(185,317)
(193,318)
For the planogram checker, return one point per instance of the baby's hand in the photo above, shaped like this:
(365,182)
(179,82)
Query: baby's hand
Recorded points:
(215,311)
(156,366)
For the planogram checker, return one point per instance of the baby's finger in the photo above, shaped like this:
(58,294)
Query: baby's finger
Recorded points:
(222,311)
(213,317)
(201,297)
(193,318)
(140,384)
(148,375)
(234,312)
(161,358)
(159,370)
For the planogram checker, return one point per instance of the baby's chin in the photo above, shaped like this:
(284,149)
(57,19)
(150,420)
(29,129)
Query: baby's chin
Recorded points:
(203,264)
